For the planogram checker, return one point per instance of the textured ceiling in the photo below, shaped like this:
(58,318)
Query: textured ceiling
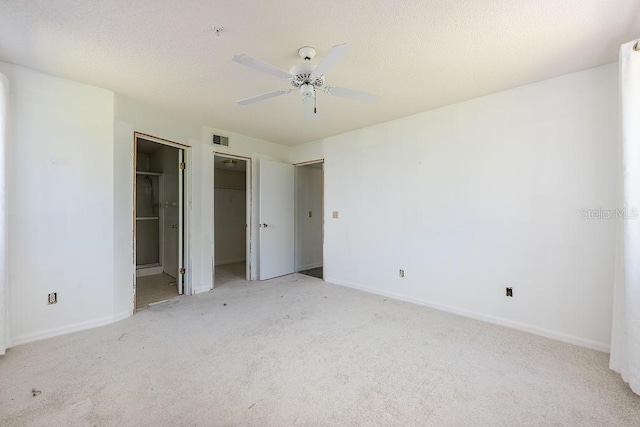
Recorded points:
(417,54)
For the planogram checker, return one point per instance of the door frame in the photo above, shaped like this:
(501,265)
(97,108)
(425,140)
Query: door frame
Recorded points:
(248,213)
(307,163)
(186,197)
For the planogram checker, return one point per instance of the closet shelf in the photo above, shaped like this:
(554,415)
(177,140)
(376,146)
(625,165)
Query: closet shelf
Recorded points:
(148,173)
(146,218)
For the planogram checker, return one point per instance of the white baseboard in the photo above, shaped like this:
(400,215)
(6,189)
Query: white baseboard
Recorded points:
(230,261)
(54,332)
(309,266)
(559,336)
(149,271)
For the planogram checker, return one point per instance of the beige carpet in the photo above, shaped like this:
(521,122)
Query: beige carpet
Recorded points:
(299,351)
(230,273)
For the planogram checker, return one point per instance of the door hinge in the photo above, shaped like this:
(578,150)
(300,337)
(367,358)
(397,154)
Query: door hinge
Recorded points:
(182,270)
(181,165)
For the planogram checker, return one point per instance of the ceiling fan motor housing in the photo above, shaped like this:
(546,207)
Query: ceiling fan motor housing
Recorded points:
(302,75)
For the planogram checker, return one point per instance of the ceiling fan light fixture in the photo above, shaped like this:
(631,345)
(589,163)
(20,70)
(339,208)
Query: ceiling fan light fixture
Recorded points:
(229,163)
(307,91)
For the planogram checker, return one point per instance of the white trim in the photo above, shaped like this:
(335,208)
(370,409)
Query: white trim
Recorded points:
(160,140)
(50,333)
(187,198)
(547,333)
(149,271)
(231,261)
(5,318)
(309,162)
(299,268)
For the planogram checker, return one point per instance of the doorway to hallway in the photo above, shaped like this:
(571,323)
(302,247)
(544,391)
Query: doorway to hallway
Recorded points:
(309,200)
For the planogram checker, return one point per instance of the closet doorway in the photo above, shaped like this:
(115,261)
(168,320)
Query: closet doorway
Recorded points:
(159,221)
(309,218)
(231,219)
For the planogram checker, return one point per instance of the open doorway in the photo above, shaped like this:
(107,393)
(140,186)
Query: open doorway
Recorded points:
(309,192)
(231,219)
(159,221)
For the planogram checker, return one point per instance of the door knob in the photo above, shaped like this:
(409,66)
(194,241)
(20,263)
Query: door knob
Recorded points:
(264,225)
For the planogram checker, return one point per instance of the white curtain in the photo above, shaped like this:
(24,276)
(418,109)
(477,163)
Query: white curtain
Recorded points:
(4,318)
(625,334)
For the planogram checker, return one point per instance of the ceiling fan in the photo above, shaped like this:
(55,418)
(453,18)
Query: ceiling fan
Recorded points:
(305,77)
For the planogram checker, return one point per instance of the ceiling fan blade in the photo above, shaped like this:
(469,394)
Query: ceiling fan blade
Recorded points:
(264,96)
(356,95)
(256,64)
(309,107)
(335,54)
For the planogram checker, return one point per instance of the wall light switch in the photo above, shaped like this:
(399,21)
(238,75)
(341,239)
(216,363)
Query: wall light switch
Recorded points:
(335,214)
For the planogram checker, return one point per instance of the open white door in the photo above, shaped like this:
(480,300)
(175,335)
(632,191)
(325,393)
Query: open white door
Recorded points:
(276,213)
(181,269)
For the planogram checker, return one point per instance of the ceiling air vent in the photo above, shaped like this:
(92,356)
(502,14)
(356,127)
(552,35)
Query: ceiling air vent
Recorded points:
(220,140)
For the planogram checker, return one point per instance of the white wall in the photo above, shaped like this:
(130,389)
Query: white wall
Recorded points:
(480,195)
(308,229)
(230,204)
(59,204)
(225,178)
(307,152)
(124,270)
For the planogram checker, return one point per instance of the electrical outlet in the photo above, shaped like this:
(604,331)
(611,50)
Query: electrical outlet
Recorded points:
(335,214)
(509,292)
(310,214)
(53,298)
(401,273)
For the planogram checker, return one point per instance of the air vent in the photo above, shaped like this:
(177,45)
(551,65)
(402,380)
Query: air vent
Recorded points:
(220,140)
